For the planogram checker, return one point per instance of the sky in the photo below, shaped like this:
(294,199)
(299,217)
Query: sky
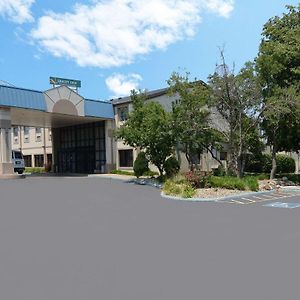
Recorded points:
(119,45)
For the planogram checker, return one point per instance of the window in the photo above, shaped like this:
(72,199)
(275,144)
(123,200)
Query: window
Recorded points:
(16,135)
(26,134)
(50,135)
(39,160)
(223,155)
(122,113)
(125,158)
(26,130)
(38,134)
(16,131)
(28,161)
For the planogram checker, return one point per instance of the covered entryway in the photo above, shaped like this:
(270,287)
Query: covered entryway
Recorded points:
(82,129)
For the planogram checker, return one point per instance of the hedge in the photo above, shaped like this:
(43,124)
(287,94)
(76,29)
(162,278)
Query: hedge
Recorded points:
(263,164)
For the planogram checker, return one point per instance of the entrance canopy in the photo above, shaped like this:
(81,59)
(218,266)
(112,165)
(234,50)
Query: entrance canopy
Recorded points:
(57,107)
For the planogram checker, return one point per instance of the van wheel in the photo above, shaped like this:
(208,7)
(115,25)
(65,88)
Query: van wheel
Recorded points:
(20,172)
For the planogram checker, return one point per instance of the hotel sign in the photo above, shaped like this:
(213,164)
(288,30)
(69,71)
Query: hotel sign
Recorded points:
(64,81)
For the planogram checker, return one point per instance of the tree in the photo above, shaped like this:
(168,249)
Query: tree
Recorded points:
(191,118)
(282,123)
(278,66)
(149,128)
(238,99)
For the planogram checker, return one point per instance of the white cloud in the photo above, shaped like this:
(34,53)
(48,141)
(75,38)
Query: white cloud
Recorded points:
(223,8)
(121,85)
(113,33)
(17,11)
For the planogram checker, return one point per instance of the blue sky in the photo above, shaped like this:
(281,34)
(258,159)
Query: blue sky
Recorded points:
(114,46)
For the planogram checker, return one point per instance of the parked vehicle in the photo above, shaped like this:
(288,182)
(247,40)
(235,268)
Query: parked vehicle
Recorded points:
(18,162)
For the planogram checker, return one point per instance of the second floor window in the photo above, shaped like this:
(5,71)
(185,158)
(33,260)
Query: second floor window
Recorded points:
(26,130)
(16,131)
(122,113)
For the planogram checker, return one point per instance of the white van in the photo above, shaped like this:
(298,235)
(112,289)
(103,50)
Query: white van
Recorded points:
(18,162)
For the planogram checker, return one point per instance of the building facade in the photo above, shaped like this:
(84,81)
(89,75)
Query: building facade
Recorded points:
(76,135)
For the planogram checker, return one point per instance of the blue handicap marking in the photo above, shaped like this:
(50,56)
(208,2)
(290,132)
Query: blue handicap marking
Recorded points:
(283,205)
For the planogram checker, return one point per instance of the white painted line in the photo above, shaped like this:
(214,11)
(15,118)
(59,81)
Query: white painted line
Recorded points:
(249,200)
(259,198)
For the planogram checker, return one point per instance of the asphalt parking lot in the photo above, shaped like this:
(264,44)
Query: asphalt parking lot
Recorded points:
(89,238)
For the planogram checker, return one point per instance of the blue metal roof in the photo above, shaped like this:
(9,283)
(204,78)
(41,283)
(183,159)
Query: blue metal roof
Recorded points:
(30,99)
(99,109)
(23,98)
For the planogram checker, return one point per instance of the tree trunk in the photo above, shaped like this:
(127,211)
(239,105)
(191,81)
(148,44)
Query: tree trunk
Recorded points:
(160,170)
(274,163)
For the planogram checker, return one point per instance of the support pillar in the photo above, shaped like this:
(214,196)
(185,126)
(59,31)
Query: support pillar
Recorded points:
(110,146)
(6,166)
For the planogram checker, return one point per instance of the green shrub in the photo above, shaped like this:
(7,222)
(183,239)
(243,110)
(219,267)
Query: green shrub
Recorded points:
(182,189)
(220,171)
(251,183)
(34,170)
(234,183)
(263,163)
(188,191)
(121,172)
(141,165)
(171,166)
(285,164)
(291,177)
(172,188)
(150,173)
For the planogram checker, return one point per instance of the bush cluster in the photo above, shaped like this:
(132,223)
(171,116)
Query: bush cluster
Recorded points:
(235,183)
(179,187)
(171,167)
(141,165)
(263,163)
(198,179)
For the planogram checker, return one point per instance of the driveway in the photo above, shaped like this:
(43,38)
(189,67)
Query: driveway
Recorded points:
(91,239)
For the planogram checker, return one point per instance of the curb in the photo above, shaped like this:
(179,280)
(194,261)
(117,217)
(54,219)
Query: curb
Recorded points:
(214,199)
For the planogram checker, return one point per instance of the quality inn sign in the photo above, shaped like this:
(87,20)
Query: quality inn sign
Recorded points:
(64,81)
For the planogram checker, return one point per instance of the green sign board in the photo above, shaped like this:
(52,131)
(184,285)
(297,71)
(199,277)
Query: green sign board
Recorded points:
(63,81)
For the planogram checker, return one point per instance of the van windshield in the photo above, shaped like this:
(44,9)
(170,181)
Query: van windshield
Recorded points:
(18,155)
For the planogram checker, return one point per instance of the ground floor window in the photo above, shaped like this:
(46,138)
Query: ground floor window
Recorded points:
(49,158)
(223,155)
(28,161)
(39,160)
(126,158)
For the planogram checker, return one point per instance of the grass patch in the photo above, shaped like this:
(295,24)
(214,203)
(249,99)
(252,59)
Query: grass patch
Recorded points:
(34,170)
(234,183)
(121,172)
(131,173)
(173,187)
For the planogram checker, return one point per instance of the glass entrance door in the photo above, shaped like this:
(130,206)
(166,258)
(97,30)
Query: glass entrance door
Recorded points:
(85,160)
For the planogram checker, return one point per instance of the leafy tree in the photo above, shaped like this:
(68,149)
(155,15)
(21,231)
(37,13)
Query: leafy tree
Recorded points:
(238,99)
(191,118)
(149,128)
(278,66)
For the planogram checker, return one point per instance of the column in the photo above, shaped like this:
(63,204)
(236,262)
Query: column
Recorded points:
(110,146)
(6,166)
